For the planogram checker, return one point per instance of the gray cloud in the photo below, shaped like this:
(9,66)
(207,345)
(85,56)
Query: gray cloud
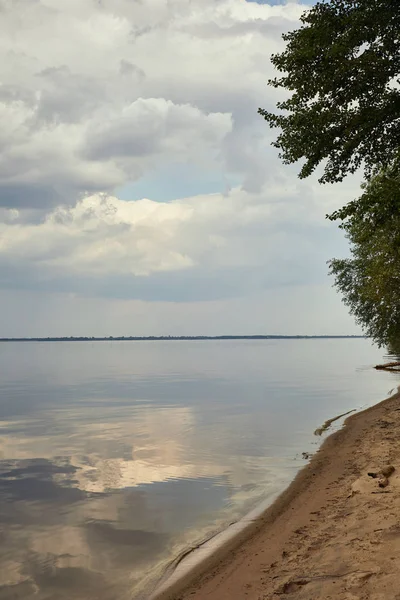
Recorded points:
(70,77)
(155,126)
(128,68)
(65,97)
(97,94)
(20,195)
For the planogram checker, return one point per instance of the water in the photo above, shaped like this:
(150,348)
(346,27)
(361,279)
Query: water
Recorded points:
(117,456)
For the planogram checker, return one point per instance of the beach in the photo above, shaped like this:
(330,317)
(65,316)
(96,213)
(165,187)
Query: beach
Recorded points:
(334,533)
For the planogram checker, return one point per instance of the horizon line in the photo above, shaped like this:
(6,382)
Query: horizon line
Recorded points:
(172,337)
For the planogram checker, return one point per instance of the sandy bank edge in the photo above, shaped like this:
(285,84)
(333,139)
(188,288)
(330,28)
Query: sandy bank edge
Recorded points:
(208,557)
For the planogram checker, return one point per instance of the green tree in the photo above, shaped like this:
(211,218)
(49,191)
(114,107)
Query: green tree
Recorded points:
(370,280)
(341,69)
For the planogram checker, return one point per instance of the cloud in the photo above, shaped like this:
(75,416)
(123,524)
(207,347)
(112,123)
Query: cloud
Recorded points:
(100,97)
(198,248)
(93,94)
(154,126)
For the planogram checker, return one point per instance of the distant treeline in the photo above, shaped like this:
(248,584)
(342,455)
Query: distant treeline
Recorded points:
(153,338)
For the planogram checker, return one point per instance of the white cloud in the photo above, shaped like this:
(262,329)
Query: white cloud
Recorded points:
(95,94)
(241,239)
(92,94)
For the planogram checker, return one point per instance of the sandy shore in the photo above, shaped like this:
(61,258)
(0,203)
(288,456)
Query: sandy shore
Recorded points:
(333,534)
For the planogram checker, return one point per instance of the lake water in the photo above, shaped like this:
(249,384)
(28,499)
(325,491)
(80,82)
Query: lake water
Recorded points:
(117,456)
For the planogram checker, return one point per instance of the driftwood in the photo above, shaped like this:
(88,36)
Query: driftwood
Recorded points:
(392,366)
(329,422)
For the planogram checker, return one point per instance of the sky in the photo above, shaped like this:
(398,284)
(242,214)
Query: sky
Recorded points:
(139,191)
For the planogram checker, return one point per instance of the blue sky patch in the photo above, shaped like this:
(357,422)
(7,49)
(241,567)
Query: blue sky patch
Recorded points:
(177,181)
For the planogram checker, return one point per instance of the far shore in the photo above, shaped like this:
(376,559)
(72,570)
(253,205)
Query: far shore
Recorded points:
(334,533)
(180,338)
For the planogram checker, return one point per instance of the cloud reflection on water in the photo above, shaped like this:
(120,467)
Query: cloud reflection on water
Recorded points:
(108,495)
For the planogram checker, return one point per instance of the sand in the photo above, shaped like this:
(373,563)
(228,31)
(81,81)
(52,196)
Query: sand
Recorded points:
(333,534)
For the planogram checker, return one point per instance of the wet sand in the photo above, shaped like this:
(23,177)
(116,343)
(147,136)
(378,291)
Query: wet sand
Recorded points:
(333,534)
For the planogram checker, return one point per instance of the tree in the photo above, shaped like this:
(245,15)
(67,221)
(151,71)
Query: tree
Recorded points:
(342,70)
(370,280)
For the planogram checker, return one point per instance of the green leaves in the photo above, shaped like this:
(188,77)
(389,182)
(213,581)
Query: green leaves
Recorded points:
(342,68)
(370,280)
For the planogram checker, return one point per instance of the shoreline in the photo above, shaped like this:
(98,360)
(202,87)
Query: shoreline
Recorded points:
(249,559)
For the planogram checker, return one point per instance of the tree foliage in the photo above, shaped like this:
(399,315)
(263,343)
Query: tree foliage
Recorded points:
(342,70)
(370,280)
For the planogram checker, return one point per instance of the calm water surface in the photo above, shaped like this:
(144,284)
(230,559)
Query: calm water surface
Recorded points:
(116,456)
